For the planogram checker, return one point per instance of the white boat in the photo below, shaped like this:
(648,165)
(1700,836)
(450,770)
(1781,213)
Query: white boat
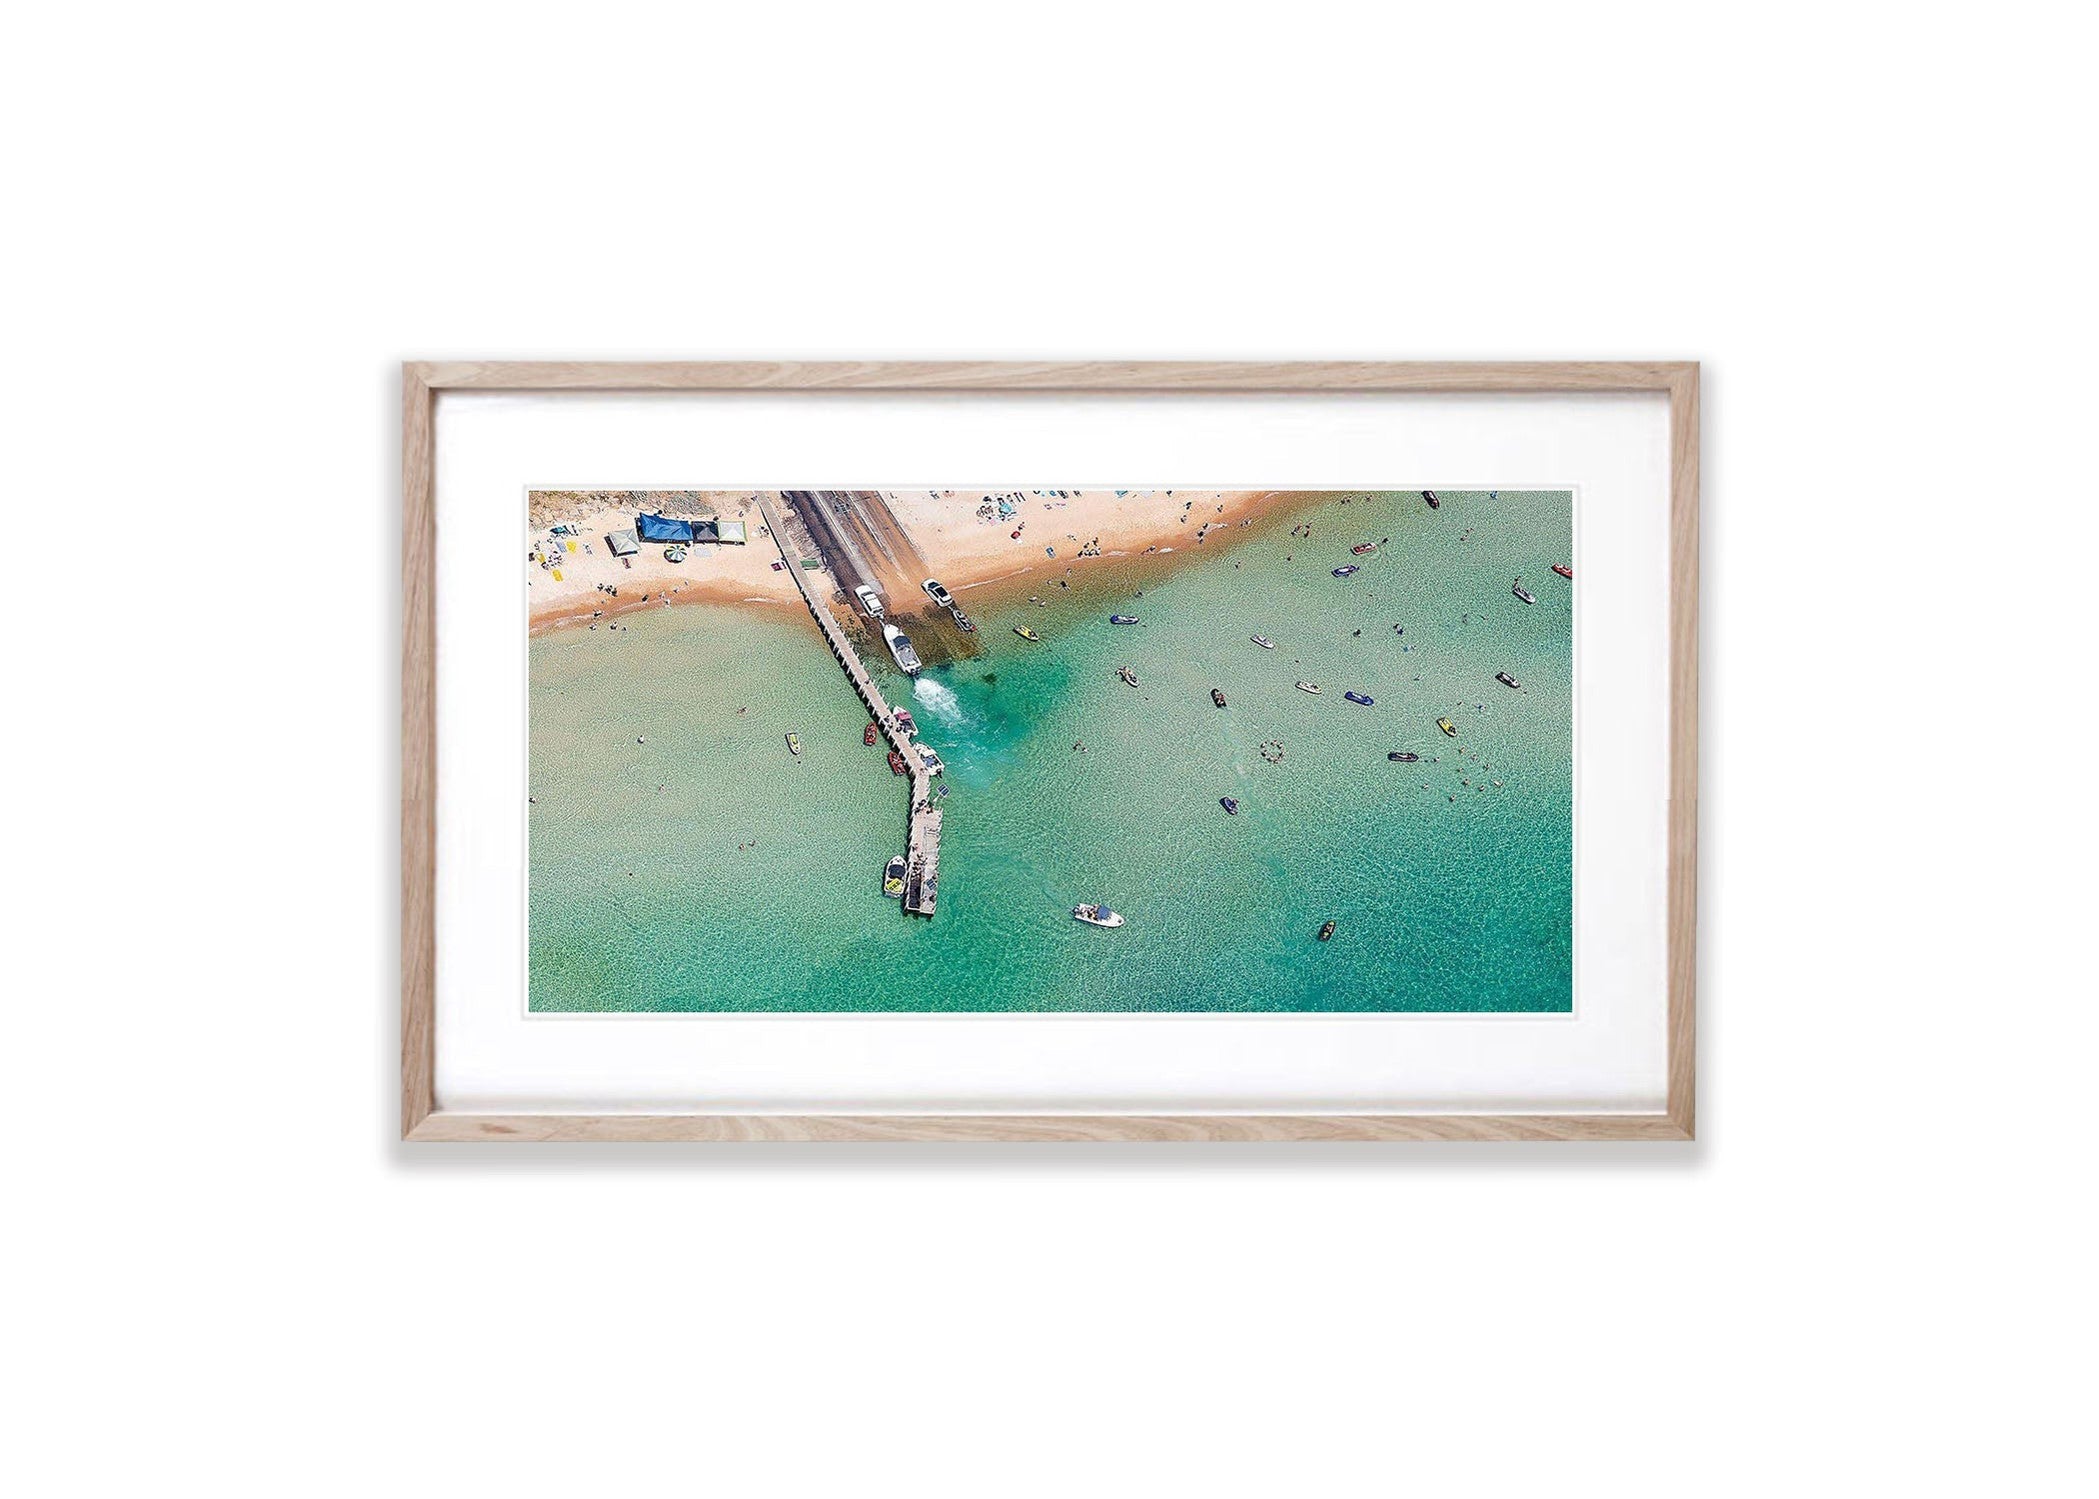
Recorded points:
(893,878)
(1311,687)
(1524,593)
(1096,915)
(1128,676)
(1264,642)
(900,647)
(931,761)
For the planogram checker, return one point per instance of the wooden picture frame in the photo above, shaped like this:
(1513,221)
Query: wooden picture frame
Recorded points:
(421,383)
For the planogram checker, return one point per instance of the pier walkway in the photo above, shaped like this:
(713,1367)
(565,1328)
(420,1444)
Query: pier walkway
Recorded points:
(922,842)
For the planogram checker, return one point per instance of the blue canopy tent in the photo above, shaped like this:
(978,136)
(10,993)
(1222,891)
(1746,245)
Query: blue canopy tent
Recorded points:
(662,528)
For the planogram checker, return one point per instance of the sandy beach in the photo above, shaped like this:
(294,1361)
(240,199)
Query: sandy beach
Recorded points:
(963,537)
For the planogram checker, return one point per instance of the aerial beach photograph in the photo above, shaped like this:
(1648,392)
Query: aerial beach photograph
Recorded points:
(983,750)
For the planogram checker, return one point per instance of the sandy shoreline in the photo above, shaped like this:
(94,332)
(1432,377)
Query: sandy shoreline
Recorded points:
(963,550)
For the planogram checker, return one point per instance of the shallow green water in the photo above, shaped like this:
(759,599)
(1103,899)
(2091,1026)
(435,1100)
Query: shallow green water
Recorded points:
(706,870)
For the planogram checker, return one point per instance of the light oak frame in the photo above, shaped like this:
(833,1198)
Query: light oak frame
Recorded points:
(421,1119)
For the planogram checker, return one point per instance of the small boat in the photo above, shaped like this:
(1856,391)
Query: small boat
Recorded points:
(1311,687)
(794,745)
(1402,757)
(867,735)
(900,647)
(1564,571)
(1358,697)
(1524,593)
(905,721)
(1264,642)
(896,764)
(1026,634)
(1506,680)
(1326,933)
(1128,676)
(931,761)
(1096,915)
(1433,502)
(1447,727)
(1122,619)
(1342,572)
(1361,547)
(963,622)
(1230,804)
(1217,696)
(893,878)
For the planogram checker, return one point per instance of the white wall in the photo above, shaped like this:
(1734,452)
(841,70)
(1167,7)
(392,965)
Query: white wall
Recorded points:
(229,225)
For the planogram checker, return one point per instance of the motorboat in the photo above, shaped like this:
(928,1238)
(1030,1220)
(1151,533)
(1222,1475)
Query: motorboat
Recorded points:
(963,621)
(1127,675)
(1230,804)
(1264,642)
(1402,757)
(893,878)
(1524,593)
(868,734)
(1360,697)
(1311,687)
(1362,547)
(938,594)
(904,720)
(900,647)
(1096,915)
(1342,572)
(1027,634)
(1564,571)
(897,765)
(932,762)
(1217,696)
(794,745)
(1122,619)
(1447,727)
(1506,680)
(1433,502)
(1326,933)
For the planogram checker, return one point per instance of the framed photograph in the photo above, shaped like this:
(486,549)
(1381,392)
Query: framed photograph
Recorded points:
(1049,751)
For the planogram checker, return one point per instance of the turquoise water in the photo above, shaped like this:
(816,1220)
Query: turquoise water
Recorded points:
(707,870)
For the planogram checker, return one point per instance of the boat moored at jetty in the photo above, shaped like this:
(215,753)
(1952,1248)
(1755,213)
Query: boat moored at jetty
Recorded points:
(900,647)
(1027,634)
(1311,687)
(1264,642)
(897,765)
(937,593)
(1230,804)
(893,878)
(1122,619)
(1447,727)
(1342,572)
(1217,696)
(1403,757)
(867,735)
(904,720)
(1326,933)
(1127,675)
(1360,697)
(1564,571)
(1095,914)
(1524,593)
(1506,680)
(932,762)
(794,745)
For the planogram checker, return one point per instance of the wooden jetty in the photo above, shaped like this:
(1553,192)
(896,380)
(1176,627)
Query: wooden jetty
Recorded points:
(922,840)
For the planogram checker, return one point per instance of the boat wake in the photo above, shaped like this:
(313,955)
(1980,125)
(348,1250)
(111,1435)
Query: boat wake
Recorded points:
(938,699)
